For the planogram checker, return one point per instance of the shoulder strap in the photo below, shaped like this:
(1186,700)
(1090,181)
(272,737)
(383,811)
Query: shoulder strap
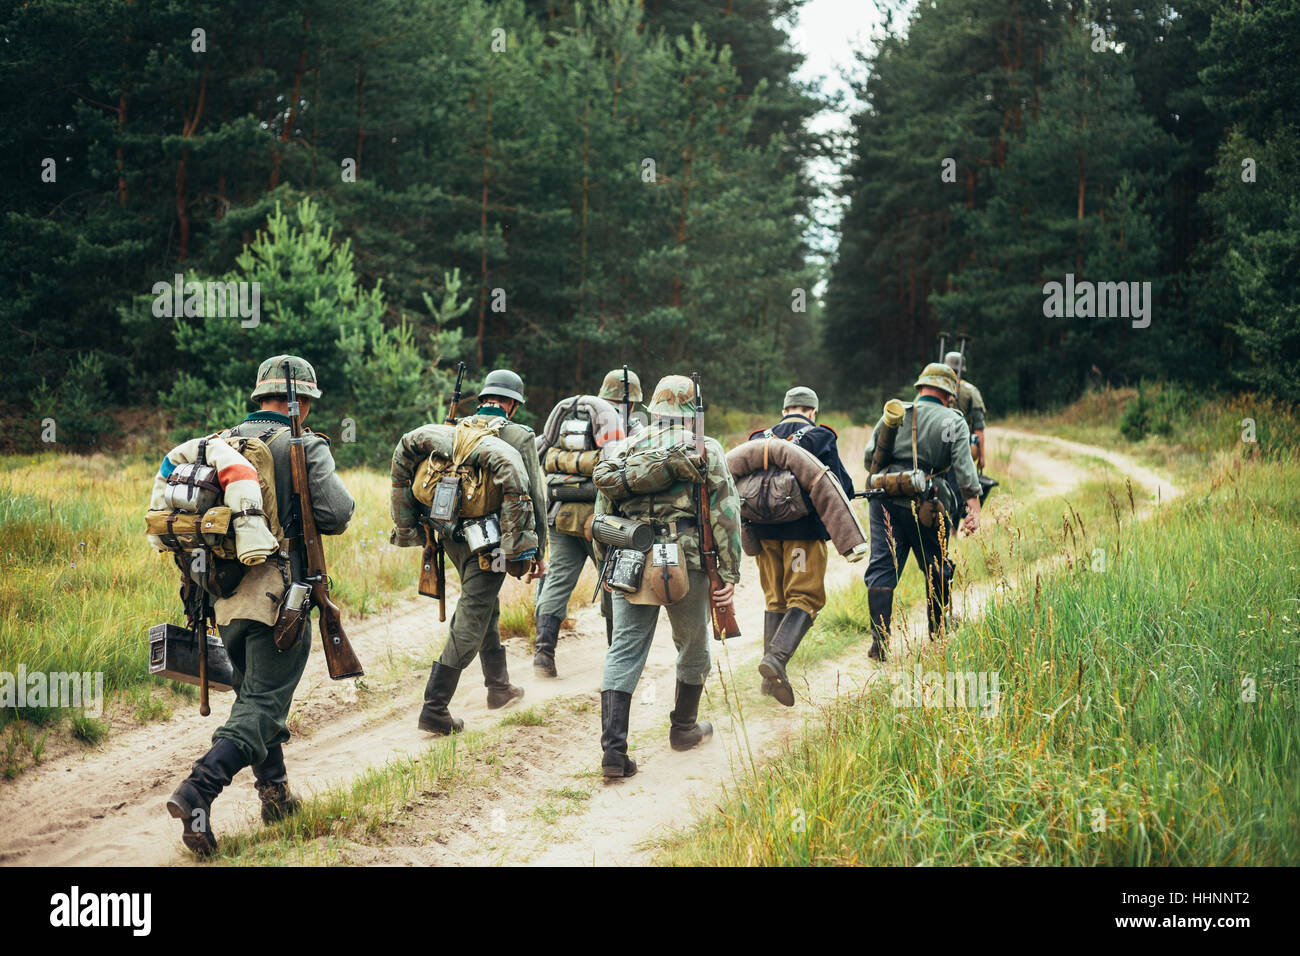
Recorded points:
(798,436)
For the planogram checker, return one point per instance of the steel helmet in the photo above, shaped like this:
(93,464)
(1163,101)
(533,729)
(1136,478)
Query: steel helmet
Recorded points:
(502,383)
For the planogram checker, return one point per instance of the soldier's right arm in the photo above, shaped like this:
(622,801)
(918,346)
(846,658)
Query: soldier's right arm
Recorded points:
(331,504)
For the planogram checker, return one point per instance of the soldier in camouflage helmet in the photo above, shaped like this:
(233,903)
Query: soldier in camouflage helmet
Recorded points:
(900,525)
(265,677)
(475,628)
(570,547)
(673,514)
(971,405)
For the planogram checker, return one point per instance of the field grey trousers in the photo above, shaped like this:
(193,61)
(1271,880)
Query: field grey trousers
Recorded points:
(475,624)
(634,632)
(568,555)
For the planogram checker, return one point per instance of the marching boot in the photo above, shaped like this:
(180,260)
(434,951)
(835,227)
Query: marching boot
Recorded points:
(615,712)
(192,801)
(272,785)
(788,634)
(434,717)
(497,679)
(880,605)
(771,621)
(685,732)
(548,633)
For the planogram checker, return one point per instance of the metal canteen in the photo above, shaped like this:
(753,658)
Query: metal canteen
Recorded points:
(185,489)
(481,534)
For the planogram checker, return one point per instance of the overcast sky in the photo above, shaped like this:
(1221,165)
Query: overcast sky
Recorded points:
(829,33)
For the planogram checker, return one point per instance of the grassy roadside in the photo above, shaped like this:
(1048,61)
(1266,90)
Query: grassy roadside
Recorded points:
(81,587)
(1146,715)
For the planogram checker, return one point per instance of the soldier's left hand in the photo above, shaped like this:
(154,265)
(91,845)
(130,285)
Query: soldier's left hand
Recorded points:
(723,595)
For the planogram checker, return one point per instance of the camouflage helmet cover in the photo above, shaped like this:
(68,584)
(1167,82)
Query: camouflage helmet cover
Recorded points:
(955,361)
(611,389)
(270,378)
(674,396)
(940,376)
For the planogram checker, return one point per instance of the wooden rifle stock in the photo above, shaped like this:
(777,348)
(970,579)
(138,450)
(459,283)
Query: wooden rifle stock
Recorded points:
(433,563)
(724,617)
(341,660)
(433,578)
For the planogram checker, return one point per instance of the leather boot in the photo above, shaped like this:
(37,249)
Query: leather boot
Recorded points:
(788,634)
(880,605)
(435,717)
(771,621)
(496,678)
(615,712)
(685,733)
(192,801)
(271,781)
(548,633)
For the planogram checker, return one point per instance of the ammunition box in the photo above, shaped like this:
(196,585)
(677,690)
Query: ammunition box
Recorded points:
(174,653)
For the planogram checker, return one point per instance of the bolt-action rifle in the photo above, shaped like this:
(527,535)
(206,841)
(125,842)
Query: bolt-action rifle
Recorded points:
(724,616)
(341,660)
(433,565)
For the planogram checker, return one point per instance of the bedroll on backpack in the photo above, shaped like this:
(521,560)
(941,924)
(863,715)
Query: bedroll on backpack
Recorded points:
(192,509)
(648,471)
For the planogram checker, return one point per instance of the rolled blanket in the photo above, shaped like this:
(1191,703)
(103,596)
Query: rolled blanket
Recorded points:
(828,498)
(240,489)
(606,422)
(501,464)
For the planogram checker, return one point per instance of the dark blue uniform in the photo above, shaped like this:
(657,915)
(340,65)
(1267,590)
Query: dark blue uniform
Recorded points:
(822,441)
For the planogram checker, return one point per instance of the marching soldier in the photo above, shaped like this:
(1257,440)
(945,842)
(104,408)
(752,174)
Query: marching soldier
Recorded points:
(265,677)
(474,625)
(792,563)
(970,403)
(933,438)
(570,551)
(674,514)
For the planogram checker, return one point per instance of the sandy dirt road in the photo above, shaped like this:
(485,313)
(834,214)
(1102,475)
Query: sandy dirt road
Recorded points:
(539,799)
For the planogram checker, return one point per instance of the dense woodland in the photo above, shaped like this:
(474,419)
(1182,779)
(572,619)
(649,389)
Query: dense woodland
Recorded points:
(562,187)
(1109,159)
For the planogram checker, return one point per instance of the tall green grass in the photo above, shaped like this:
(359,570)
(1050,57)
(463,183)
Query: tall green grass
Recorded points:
(1148,716)
(80,585)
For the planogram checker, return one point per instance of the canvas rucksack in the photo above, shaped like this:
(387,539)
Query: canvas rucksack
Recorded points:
(463,490)
(648,471)
(196,515)
(773,495)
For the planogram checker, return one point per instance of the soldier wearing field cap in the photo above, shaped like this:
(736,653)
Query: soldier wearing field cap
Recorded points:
(570,548)
(674,514)
(934,439)
(970,403)
(792,562)
(265,677)
(475,624)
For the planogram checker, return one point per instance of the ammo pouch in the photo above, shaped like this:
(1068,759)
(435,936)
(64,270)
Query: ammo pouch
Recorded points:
(183,532)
